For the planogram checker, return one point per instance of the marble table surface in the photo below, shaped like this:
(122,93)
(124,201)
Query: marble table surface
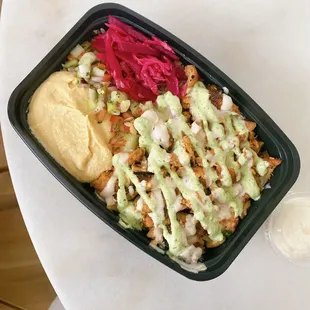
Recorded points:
(264,46)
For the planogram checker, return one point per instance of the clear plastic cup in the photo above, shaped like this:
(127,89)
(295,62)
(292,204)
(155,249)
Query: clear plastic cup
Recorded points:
(288,228)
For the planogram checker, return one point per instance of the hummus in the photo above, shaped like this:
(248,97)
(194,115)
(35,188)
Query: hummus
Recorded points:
(60,118)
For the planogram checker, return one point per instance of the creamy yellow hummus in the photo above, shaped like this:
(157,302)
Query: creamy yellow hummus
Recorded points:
(61,120)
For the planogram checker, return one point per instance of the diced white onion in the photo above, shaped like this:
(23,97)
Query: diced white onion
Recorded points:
(140,203)
(195,128)
(125,105)
(190,225)
(143,183)
(84,71)
(226,90)
(98,72)
(131,190)
(96,79)
(77,51)
(88,59)
(267,186)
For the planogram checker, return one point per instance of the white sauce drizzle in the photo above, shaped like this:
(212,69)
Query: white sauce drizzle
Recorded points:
(109,191)
(227,103)
(190,225)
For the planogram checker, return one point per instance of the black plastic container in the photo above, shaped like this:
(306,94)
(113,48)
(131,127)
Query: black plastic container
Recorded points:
(277,143)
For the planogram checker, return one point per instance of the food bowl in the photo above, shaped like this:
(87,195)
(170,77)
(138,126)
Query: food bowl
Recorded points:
(277,143)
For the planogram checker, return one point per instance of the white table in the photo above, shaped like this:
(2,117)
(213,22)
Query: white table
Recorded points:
(264,46)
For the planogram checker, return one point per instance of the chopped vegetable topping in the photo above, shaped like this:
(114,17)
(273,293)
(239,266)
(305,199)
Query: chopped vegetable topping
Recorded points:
(77,51)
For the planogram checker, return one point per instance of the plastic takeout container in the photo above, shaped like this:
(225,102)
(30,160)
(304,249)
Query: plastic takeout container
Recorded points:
(287,230)
(277,143)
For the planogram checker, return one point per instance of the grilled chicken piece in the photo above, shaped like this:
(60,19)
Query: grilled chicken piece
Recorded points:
(186,102)
(185,204)
(199,172)
(174,162)
(198,161)
(181,216)
(235,109)
(211,243)
(255,144)
(192,75)
(171,141)
(189,148)
(273,163)
(188,116)
(136,168)
(147,221)
(200,234)
(131,193)
(246,206)
(231,223)
(136,156)
(216,96)
(101,182)
(233,175)
(250,125)
(112,208)
(146,178)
